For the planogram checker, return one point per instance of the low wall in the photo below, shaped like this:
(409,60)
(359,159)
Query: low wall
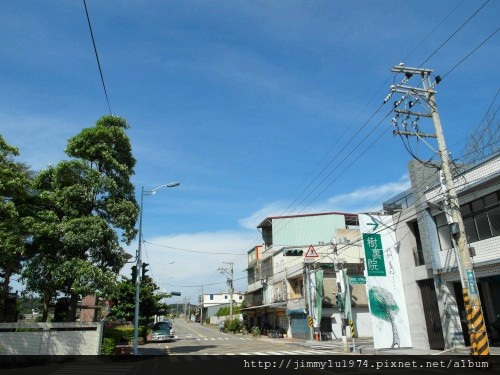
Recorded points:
(218,319)
(50,338)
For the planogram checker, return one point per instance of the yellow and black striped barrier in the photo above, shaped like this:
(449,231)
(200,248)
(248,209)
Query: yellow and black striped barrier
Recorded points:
(477,327)
(351,323)
(310,321)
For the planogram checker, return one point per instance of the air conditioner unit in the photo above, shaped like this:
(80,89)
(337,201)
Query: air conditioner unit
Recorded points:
(278,295)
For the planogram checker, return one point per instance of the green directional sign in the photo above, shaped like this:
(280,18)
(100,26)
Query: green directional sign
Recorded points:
(357,280)
(373,223)
(374,253)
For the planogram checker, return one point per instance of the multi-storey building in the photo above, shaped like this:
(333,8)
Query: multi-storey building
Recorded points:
(210,303)
(431,273)
(297,252)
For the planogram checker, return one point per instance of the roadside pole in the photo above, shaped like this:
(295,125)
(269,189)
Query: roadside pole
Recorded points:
(309,300)
(411,95)
(348,307)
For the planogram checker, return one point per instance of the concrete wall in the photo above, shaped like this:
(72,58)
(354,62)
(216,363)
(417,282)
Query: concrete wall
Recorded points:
(51,338)
(362,322)
(410,273)
(218,319)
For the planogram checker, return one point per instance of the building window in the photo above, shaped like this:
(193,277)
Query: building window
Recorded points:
(252,272)
(211,297)
(470,229)
(482,217)
(267,267)
(494,216)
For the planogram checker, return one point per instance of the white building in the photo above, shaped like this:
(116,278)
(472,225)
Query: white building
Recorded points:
(212,302)
(430,274)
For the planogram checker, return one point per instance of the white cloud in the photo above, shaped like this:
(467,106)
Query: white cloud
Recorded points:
(41,139)
(271,209)
(198,259)
(368,198)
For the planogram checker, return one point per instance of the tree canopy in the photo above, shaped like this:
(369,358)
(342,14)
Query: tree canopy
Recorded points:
(83,204)
(123,300)
(14,206)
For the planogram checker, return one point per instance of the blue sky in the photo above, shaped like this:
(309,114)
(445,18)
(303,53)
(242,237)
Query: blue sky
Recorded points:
(258,108)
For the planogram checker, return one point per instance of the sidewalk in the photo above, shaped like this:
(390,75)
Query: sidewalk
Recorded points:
(363,348)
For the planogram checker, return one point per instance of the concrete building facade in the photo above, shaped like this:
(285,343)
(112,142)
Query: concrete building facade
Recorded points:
(278,283)
(429,264)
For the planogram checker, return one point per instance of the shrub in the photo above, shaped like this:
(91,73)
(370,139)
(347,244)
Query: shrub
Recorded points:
(256,331)
(124,334)
(233,326)
(108,346)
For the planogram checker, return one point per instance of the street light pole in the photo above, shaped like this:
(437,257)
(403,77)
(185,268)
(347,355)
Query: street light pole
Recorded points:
(139,263)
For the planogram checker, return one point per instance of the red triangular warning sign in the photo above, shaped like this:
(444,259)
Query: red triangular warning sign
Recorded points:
(311,252)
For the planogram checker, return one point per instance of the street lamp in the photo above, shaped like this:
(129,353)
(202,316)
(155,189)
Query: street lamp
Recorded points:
(139,261)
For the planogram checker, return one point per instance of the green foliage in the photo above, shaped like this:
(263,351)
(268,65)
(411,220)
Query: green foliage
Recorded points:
(28,302)
(15,207)
(256,331)
(108,346)
(124,334)
(226,310)
(82,204)
(28,329)
(122,296)
(233,326)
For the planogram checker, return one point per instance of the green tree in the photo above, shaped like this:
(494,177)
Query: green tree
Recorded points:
(83,204)
(122,300)
(14,206)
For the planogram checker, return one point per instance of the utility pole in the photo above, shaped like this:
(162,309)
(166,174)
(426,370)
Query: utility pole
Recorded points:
(341,294)
(201,304)
(308,298)
(425,97)
(310,302)
(230,286)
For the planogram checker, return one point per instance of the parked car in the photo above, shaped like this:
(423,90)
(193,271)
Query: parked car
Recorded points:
(162,331)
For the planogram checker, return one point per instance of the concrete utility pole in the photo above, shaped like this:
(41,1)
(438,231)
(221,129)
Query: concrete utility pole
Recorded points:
(230,286)
(201,304)
(340,276)
(307,290)
(426,94)
(310,302)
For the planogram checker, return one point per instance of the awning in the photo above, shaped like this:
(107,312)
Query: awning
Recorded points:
(296,311)
(276,304)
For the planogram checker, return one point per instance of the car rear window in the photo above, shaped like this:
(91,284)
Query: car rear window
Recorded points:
(161,325)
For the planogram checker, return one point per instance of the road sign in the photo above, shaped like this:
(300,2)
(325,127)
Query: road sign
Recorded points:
(357,280)
(311,252)
(311,255)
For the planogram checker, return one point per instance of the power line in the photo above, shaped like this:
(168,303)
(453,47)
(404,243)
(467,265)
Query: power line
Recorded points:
(97,57)
(433,31)
(289,207)
(351,139)
(456,31)
(192,251)
(470,53)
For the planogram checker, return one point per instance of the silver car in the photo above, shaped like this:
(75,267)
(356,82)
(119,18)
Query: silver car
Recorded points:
(162,331)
